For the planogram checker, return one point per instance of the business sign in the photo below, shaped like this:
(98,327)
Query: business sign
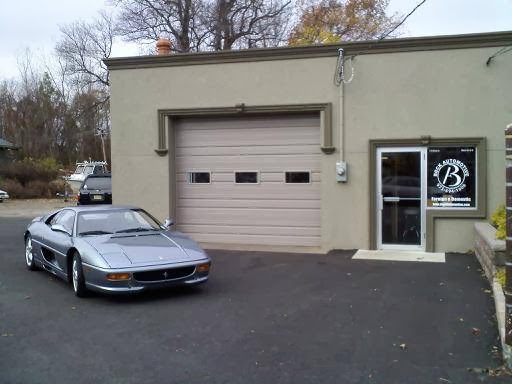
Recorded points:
(451,177)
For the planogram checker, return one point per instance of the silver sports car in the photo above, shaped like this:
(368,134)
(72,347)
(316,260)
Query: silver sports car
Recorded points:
(113,249)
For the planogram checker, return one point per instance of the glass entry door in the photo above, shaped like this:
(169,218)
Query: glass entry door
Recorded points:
(401,198)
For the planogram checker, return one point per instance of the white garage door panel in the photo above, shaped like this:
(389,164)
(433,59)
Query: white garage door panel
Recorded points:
(292,241)
(248,216)
(253,121)
(246,203)
(270,163)
(252,230)
(258,138)
(252,150)
(257,191)
(268,213)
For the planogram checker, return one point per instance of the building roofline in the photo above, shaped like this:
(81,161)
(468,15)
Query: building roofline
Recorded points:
(429,43)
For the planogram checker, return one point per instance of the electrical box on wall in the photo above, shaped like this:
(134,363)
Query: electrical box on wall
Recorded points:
(341,172)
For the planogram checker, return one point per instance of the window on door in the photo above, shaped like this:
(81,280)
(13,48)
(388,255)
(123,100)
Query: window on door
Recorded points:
(297,177)
(401,192)
(245,177)
(198,177)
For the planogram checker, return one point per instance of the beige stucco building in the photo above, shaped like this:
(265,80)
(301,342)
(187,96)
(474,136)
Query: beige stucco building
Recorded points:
(262,147)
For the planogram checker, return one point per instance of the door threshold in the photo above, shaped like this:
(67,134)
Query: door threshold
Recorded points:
(387,255)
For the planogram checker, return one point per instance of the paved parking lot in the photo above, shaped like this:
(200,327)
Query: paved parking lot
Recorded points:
(262,318)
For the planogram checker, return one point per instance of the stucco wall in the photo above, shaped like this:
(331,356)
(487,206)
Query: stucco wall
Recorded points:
(448,93)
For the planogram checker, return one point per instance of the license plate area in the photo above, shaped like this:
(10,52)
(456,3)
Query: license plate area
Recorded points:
(97,197)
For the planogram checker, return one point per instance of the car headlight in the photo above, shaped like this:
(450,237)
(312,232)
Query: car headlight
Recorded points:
(202,268)
(118,276)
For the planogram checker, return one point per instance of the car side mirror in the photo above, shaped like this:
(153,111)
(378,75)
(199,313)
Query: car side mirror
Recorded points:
(168,223)
(60,228)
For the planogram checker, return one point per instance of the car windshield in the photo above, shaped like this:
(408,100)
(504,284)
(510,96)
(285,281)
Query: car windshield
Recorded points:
(115,221)
(89,169)
(98,183)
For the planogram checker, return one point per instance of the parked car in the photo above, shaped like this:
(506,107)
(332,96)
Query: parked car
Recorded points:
(96,189)
(3,196)
(113,249)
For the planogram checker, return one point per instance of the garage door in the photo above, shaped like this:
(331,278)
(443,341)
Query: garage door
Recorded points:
(253,180)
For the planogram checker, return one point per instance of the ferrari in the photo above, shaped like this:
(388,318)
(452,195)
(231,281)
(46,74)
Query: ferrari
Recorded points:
(113,249)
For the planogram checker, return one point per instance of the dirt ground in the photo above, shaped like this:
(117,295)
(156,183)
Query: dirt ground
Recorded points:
(31,207)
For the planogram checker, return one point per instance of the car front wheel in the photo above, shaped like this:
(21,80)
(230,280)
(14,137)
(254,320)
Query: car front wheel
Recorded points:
(29,255)
(77,276)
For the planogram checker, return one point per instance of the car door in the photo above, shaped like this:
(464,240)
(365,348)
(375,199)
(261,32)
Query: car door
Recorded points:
(59,242)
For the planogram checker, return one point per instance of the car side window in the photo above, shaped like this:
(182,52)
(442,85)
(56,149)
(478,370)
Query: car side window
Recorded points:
(53,219)
(67,219)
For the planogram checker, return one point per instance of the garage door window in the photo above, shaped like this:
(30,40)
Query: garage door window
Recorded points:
(297,177)
(198,177)
(245,177)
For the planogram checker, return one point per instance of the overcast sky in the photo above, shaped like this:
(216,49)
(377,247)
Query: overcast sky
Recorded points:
(35,23)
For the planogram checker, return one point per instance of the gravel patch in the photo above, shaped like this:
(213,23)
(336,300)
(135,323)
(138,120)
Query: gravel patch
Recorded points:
(32,207)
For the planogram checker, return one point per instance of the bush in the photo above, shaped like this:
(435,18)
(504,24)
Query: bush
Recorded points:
(499,221)
(501,276)
(29,170)
(57,186)
(12,187)
(31,178)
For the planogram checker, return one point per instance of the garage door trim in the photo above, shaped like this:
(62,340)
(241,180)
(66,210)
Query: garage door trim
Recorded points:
(166,116)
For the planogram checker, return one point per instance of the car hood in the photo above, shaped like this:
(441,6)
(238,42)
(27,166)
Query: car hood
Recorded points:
(124,251)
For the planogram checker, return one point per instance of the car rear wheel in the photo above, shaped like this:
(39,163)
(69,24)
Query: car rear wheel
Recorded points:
(29,256)
(77,276)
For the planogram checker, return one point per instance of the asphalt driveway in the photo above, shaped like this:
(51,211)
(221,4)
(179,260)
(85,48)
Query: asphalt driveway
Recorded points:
(262,318)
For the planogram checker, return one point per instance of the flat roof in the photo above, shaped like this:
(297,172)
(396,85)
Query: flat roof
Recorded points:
(429,43)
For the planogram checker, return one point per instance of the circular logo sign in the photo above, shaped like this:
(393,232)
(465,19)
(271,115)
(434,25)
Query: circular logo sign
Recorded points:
(451,174)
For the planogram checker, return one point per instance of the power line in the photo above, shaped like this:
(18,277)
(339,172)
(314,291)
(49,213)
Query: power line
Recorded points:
(401,22)
(339,75)
(500,52)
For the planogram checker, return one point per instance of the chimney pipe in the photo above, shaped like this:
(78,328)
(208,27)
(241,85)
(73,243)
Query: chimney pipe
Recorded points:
(163,46)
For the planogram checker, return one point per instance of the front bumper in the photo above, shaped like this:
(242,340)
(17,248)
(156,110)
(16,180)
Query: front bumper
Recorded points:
(96,278)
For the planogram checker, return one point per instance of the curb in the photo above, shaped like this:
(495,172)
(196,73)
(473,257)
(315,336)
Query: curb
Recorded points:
(499,303)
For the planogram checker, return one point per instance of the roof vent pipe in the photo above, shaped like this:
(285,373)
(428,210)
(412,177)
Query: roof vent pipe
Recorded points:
(163,46)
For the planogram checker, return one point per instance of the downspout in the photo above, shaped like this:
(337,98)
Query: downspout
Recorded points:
(342,121)
(340,81)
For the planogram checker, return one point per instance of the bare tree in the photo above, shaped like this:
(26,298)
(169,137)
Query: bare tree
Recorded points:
(83,48)
(248,23)
(144,21)
(195,25)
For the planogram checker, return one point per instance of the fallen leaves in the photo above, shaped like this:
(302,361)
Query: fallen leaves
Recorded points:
(403,346)
(475,331)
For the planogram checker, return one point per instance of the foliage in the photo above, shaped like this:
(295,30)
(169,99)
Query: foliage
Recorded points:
(28,169)
(31,178)
(332,21)
(44,122)
(499,221)
(501,276)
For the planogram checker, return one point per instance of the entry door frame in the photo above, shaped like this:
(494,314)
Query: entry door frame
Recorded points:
(379,198)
